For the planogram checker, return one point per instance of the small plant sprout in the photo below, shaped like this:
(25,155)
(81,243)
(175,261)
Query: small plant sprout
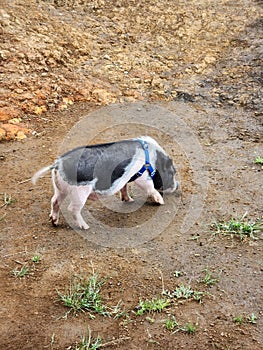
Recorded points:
(154,305)
(185,292)
(182,292)
(208,279)
(36,258)
(171,324)
(239,227)
(7,199)
(259,160)
(238,319)
(198,296)
(84,294)
(87,343)
(189,328)
(22,272)
(252,318)
(248,319)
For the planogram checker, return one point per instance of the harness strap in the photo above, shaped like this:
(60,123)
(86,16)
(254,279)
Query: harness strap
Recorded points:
(147,165)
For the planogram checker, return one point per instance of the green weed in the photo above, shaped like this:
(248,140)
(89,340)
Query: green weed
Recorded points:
(36,258)
(239,228)
(7,199)
(87,343)
(185,292)
(172,325)
(238,319)
(208,279)
(21,272)
(252,318)
(26,268)
(84,294)
(259,160)
(151,306)
(189,328)
(245,319)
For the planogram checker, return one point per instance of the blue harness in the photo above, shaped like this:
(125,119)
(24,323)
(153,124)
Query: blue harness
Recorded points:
(147,165)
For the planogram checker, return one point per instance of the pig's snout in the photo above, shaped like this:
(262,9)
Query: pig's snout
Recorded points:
(172,189)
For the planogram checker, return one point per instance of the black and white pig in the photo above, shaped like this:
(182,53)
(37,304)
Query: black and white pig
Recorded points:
(104,169)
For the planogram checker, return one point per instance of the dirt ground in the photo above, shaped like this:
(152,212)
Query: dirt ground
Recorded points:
(189,74)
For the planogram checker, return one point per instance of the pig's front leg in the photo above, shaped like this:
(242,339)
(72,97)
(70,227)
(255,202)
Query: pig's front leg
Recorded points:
(125,195)
(146,184)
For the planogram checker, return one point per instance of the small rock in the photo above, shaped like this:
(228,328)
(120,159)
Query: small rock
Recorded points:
(210,59)
(14,131)
(40,109)
(15,121)
(103,96)
(7,113)
(2,134)
(20,135)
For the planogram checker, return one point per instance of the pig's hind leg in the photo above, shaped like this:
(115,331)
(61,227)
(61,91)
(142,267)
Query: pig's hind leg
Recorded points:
(60,193)
(78,198)
(125,195)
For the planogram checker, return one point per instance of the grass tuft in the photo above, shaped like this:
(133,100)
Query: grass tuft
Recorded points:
(238,319)
(239,228)
(154,305)
(185,292)
(245,319)
(21,272)
(172,325)
(36,258)
(208,279)
(259,160)
(87,343)
(189,328)
(7,200)
(252,318)
(84,294)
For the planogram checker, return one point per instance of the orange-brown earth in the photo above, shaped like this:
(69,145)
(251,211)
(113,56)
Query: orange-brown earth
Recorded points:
(195,67)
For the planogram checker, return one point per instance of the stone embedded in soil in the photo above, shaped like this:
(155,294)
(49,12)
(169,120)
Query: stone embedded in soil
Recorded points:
(2,134)
(103,96)
(7,113)
(14,132)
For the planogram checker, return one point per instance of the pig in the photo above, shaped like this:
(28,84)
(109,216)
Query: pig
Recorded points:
(104,169)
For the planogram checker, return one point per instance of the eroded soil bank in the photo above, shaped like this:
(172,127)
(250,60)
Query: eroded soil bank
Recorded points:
(187,74)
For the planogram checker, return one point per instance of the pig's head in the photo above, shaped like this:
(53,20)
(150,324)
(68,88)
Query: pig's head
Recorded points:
(164,179)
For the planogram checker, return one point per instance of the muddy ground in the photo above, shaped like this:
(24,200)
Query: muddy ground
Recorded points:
(195,67)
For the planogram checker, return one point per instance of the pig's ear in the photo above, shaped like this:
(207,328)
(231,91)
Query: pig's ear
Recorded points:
(157,181)
(161,162)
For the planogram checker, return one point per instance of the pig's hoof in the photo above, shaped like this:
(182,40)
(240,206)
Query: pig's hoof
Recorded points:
(82,224)
(129,200)
(158,199)
(84,227)
(53,221)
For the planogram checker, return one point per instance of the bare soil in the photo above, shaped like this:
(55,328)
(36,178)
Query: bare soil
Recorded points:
(61,61)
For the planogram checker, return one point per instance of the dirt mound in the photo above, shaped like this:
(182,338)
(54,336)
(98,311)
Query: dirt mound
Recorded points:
(56,53)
